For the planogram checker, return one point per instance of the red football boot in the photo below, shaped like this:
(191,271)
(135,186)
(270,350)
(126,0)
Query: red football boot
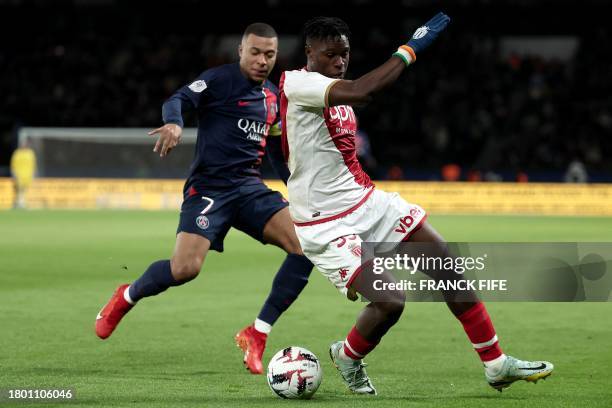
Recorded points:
(253,343)
(109,317)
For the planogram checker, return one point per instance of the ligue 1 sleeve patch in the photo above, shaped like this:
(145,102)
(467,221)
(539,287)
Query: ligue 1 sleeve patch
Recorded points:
(198,86)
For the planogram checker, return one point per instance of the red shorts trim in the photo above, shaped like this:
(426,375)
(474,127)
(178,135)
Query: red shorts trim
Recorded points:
(415,229)
(335,217)
(357,272)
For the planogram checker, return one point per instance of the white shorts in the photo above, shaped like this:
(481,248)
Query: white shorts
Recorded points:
(334,246)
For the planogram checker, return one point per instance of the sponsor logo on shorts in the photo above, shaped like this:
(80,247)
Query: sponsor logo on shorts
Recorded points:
(404,224)
(202,222)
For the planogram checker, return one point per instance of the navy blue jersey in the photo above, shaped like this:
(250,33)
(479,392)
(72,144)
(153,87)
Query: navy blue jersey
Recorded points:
(235,115)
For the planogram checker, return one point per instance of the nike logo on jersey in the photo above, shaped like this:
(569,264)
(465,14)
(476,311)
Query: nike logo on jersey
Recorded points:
(244,103)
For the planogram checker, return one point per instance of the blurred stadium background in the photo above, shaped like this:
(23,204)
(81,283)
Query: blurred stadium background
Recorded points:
(517,90)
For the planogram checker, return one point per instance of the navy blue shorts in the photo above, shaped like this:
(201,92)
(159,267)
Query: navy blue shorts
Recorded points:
(212,212)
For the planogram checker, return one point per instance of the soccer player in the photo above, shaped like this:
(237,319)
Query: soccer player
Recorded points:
(23,169)
(237,109)
(335,206)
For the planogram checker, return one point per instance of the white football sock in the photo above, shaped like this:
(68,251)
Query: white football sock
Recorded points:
(262,326)
(494,366)
(126,296)
(343,355)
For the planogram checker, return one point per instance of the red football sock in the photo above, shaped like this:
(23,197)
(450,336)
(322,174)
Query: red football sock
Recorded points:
(477,325)
(355,346)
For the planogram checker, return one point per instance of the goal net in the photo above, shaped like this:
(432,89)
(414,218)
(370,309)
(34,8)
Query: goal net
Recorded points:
(106,153)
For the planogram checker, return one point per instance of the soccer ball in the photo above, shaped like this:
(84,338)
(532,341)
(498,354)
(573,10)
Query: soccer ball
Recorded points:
(294,373)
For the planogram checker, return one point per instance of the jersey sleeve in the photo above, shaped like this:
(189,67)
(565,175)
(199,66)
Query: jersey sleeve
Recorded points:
(191,96)
(308,88)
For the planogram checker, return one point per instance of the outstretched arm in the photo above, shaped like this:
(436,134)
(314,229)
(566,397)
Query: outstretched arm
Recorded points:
(183,100)
(360,91)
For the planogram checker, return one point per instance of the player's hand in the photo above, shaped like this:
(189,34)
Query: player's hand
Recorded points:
(428,32)
(169,137)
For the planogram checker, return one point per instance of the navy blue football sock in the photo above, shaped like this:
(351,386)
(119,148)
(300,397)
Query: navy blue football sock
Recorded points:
(157,278)
(287,285)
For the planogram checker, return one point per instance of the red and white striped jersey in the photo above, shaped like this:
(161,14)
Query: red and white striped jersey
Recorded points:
(326,181)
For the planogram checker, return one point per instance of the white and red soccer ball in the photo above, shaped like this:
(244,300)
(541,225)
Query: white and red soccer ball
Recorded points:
(294,373)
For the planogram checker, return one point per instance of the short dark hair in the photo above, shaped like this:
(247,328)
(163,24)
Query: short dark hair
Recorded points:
(260,30)
(322,28)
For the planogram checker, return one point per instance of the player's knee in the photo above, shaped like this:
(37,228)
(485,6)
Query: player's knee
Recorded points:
(184,270)
(294,250)
(291,245)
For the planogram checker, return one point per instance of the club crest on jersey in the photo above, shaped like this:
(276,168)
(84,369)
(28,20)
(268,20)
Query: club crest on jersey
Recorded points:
(272,109)
(202,222)
(198,86)
(253,129)
(355,249)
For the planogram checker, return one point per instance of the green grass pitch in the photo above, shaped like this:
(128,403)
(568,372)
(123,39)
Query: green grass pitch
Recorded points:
(57,268)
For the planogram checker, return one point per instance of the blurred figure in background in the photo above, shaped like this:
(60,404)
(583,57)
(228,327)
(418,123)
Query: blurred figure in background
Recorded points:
(23,169)
(364,152)
(576,173)
(451,172)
